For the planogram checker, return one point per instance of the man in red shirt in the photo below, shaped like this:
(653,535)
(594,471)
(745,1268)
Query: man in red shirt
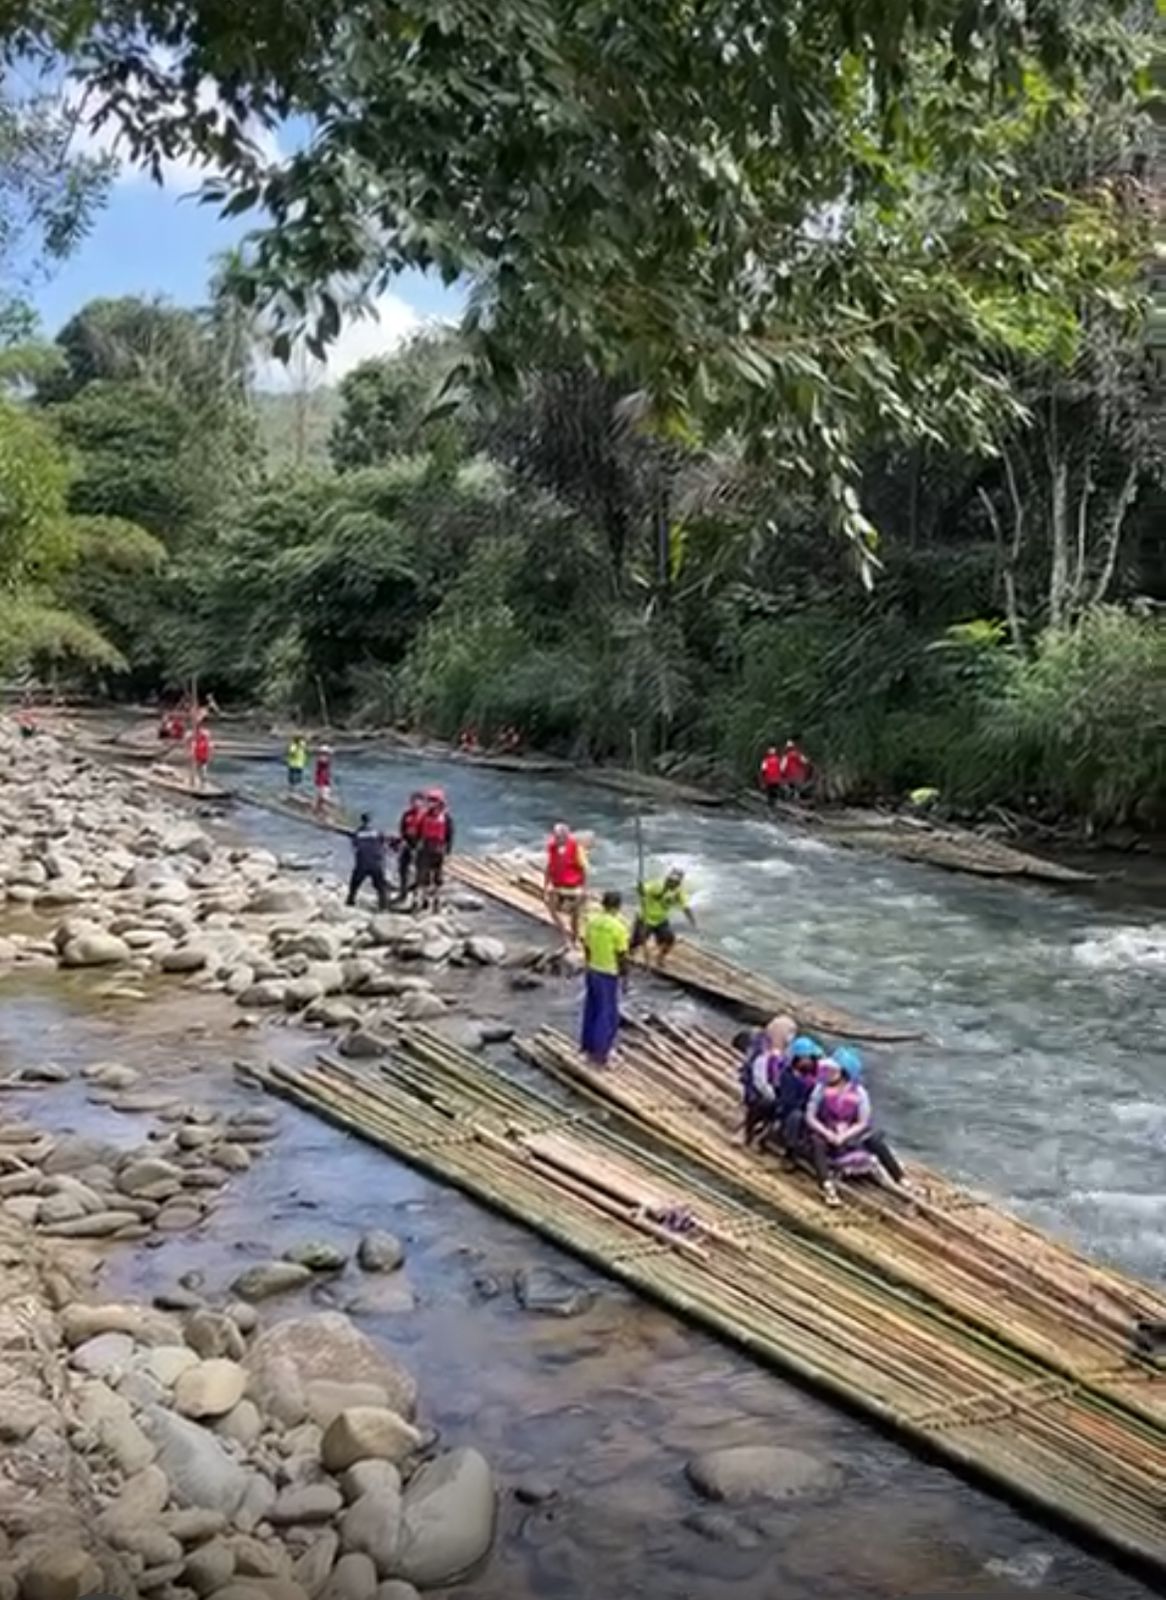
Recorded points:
(795,771)
(409,833)
(771,774)
(436,844)
(322,778)
(201,750)
(565,879)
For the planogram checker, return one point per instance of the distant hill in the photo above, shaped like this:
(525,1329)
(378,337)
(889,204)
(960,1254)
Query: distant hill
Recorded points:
(294,428)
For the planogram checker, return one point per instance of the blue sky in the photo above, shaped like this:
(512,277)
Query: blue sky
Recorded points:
(152,240)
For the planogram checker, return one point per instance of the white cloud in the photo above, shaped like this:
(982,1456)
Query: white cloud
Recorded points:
(392,321)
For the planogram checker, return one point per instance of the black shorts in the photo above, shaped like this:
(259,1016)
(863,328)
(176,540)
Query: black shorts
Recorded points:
(662,934)
(430,868)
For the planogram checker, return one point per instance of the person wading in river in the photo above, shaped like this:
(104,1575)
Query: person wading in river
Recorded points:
(565,879)
(368,862)
(605,945)
(434,849)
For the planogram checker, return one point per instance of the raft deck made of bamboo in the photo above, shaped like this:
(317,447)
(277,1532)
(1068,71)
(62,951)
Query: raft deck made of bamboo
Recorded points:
(664,1227)
(692,965)
(984,1265)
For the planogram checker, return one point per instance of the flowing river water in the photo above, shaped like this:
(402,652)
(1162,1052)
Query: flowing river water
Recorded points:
(1044,1090)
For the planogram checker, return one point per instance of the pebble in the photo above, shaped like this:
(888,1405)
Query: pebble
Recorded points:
(210,1567)
(61,1574)
(209,1389)
(318,1256)
(372,1526)
(103,1354)
(314,1502)
(354,1577)
(363,1433)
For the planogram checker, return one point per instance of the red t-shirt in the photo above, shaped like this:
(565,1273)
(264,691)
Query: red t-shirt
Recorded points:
(323,772)
(794,766)
(202,747)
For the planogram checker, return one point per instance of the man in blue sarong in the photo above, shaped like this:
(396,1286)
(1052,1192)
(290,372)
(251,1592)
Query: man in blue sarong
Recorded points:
(606,942)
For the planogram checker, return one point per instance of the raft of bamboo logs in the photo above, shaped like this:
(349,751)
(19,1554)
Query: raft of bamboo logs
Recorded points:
(660,1223)
(692,965)
(984,1265)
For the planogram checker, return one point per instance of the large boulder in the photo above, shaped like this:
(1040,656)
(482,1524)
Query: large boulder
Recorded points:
(760,1472)
(200,1471)
(326,1345)
(447,1520)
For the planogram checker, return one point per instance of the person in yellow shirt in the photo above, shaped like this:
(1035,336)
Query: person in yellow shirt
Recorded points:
(660,899)
(606,942)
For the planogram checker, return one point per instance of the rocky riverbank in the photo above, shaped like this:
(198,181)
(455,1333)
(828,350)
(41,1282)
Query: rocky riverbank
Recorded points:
(195,1447)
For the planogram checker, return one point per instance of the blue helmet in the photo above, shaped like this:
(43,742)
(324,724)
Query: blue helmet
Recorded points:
(804,1047)
(849,1061)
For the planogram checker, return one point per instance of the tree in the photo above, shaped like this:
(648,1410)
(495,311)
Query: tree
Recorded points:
(807,222)
(394,405)
(40,544)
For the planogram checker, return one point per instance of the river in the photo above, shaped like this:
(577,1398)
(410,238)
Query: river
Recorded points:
(1042,1091)
(1045,1085)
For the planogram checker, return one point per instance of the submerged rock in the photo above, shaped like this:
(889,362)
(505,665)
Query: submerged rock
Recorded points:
(550,1293)
(270,1278)
(764,1472)
(379,1251)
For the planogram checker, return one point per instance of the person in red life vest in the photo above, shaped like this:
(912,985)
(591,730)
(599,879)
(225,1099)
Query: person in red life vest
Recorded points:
(771,774)
(201,751)
(435,846)
(565,879)
(322,777)
(794,771)
(409,833)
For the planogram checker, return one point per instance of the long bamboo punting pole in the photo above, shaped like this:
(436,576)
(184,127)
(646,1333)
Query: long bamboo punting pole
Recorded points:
(832,1321)
(1009,1280)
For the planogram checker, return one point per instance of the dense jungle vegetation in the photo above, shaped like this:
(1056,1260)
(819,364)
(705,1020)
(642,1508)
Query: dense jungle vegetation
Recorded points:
(811,384)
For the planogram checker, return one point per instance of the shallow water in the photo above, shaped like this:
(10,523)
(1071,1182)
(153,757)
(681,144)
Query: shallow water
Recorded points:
(1047,1087)
(605,1408)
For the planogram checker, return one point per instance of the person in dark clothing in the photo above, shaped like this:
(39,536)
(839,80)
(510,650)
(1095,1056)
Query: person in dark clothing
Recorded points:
(368,862)
(409,833)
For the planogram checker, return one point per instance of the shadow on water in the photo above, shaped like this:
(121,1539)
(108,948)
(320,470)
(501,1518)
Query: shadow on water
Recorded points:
(603,1408)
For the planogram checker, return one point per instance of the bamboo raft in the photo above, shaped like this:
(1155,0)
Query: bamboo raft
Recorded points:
(984,1265)
(691,965)
(787,1298)
(956,850)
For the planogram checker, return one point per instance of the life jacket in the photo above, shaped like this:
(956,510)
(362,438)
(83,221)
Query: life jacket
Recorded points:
(435,829)
(794,766)
(771,1074)
(202,746)
(839,1105)
(323,771)
(410,825)
(565,863)
(771,769)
